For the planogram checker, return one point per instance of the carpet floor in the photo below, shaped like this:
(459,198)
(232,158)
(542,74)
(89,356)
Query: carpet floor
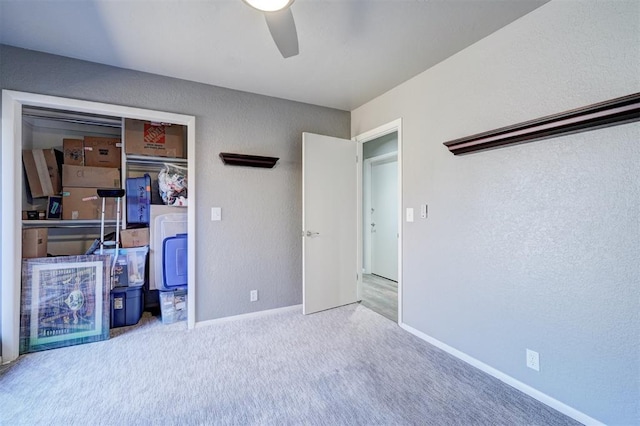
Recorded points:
(345,366)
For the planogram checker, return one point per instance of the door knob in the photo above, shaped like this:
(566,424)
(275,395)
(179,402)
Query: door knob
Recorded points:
(312,234)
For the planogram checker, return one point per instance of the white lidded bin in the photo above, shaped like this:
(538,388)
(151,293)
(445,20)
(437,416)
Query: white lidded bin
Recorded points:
(166,221)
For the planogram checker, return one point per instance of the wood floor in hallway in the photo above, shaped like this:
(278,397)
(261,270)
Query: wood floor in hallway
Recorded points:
(380,295)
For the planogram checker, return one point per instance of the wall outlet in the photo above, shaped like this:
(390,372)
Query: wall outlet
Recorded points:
(253,295)
(533,360)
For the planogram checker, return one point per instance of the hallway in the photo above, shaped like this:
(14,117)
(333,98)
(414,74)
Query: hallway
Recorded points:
(380,295)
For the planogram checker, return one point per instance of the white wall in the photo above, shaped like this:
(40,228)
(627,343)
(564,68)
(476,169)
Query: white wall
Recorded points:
(537,245)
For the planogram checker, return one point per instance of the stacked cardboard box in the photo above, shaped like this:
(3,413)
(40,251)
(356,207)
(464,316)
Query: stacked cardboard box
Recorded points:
(34,242)
(154,139)
(42,167)
(90,164)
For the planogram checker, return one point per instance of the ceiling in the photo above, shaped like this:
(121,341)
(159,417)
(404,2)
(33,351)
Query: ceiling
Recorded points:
(350,50)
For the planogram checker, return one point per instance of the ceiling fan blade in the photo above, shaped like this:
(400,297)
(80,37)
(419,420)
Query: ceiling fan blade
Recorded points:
(283,30)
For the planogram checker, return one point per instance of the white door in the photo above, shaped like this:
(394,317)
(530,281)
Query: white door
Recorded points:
(384,218)
(329,222)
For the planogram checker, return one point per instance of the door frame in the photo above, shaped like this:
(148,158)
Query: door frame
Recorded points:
(11,202)
(366,199)
(385,129)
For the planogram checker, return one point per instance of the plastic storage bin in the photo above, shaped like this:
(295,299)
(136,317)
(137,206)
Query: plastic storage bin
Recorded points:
(173,306)
(166,222)
(126,306)
(138,199)
(130,266)
(174,262)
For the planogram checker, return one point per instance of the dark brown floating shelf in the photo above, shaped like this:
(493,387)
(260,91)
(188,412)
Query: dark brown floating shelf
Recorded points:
(604,114)
(248,160)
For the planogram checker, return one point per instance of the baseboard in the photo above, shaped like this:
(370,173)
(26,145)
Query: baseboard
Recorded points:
(532,392)
(250,315)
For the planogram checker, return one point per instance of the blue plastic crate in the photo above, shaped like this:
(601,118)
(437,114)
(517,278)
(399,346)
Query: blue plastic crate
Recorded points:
(138,199)
(126,306)
(174,262)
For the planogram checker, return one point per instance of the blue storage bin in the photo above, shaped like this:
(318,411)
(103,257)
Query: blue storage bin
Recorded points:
(174,262)
(138,199)
(126,306)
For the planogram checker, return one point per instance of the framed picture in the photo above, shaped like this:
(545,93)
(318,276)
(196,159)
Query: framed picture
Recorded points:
(65,301)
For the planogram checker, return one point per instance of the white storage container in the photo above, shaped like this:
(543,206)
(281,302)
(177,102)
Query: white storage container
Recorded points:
(173,306)
(166,221)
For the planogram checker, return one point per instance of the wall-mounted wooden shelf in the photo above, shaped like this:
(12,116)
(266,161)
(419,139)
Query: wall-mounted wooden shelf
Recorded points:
(248,160)
(609,113)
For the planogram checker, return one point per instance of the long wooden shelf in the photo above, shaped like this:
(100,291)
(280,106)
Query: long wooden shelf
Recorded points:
(604,114)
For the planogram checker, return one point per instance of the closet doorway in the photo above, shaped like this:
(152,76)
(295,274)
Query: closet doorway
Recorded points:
(11,202)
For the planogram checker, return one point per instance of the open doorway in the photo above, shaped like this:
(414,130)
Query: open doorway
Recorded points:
(380,225)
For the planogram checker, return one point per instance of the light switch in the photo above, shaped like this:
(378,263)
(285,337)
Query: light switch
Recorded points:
(216,213)
(409,214)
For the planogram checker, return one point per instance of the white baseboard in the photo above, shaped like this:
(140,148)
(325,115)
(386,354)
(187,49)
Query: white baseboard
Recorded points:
(532,392)
(248,316)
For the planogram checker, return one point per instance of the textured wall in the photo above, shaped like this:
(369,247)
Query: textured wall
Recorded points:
(533,246)
(257,244)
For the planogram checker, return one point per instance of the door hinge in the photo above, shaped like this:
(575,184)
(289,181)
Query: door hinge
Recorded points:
(356,158)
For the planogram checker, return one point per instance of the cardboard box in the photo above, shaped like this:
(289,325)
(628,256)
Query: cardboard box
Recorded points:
(84,204)
(73,151)
(102,152)
(34,242)
(134,237)
(145,138)
(90,177)
(43,172)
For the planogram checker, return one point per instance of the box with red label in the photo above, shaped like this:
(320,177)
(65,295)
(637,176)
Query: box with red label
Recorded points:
(84,204)
(154,139)
(102,152)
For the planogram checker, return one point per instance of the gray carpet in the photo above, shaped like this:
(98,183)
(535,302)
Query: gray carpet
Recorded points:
(346,366)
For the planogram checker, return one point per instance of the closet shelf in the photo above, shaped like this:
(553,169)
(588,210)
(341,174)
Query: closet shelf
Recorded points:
(71,117)
(52,223)
(147,159)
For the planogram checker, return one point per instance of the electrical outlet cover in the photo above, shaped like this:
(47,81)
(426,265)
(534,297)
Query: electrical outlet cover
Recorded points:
(533,360)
